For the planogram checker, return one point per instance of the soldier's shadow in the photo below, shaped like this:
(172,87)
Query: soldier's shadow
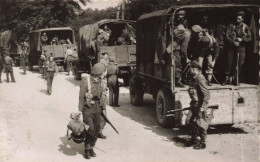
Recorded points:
(70,148)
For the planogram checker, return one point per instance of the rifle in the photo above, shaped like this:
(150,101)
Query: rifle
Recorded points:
(106,119)
(171,112)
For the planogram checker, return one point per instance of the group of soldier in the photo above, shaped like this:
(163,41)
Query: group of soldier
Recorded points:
(206,42)
(92,99)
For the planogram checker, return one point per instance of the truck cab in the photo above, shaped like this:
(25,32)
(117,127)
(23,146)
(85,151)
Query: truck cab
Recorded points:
(91,50)
(236,103)
(56,44)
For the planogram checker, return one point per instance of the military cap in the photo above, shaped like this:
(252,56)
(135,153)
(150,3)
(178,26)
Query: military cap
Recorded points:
(98,69)
(241,13)
(195,64)
(181,12)
(197,28)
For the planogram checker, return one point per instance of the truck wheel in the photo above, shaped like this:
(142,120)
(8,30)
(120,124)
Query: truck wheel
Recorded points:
(136,91)
(77,75)
(164,102)
(126,80)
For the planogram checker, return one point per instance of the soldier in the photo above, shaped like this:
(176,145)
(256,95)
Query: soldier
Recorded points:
(44,39)
(112,82)
(42,63)
(200,95)
(206,47)
(23,54)
(1,66)
(9,63)
(51,69)
(90,98)
(181,19)
(69,59)
(179,47)
(237,37)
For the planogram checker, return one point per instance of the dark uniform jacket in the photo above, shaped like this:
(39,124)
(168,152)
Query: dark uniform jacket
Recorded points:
(199,84)
(96,90)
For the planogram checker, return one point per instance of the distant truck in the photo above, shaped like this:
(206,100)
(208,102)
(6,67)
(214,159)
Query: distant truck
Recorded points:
(58,40)
(6,43)
(90,51)
(236,104)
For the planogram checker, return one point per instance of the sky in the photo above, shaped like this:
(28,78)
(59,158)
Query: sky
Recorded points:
(101,4)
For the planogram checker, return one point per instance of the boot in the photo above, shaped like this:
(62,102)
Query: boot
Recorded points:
(179,83)
(209,78)
(100,135)
(190,143)
(87,154)
(92,153)
(200,145)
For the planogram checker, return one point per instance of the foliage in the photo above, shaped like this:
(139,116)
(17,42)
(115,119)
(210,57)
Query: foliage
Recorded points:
(22,16)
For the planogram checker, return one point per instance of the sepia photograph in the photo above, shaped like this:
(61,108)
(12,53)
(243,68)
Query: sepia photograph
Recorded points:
(129,80)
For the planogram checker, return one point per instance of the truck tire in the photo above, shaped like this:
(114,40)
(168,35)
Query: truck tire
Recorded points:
(126,79)
(77,75)
(164,102)
(136,91)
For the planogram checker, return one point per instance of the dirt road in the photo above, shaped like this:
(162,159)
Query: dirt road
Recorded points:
(33,128)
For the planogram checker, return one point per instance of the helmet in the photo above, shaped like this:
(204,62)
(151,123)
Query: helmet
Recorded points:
(78,138)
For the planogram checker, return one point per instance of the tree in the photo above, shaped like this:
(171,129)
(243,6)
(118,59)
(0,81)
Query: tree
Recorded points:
(22,16)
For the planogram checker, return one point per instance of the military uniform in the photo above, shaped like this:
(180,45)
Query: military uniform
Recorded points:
(9,68)
(200,95)
(42,63)
(51,69)
(91,106)
(179,47)
(237,37)
(24,55)
(69,60)
(112,82)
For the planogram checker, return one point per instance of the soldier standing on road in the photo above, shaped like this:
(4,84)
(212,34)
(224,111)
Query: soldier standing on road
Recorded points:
(69,59)
(200,95)
(42,63)
(23,54)
(90,101)
(51,69)
(237,37)
(1,67)
(9,63)
(112,82)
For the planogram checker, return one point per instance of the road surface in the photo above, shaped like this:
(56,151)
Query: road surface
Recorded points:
(33,128)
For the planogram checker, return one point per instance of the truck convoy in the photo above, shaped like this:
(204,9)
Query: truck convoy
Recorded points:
(236,103)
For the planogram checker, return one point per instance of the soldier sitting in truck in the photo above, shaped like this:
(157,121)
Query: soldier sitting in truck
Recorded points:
(44,39)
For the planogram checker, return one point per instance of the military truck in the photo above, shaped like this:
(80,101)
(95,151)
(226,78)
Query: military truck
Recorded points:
(236,104)
(63,36)
(90,51)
